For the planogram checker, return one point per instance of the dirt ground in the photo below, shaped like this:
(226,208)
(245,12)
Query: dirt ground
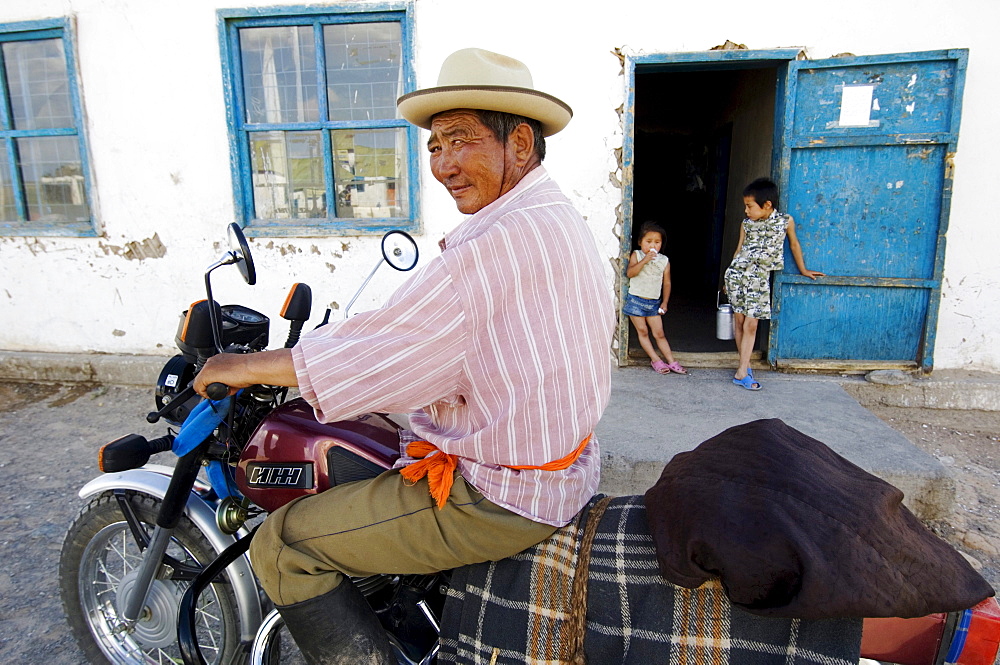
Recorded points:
(967,443)
(49,437)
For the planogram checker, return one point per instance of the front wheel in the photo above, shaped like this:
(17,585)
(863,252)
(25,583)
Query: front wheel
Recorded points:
(97,570)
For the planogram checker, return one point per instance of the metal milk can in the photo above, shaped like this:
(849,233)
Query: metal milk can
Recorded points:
(723,319)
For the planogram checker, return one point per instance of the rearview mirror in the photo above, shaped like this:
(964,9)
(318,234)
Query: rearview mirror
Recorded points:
(240,250)
(399,250)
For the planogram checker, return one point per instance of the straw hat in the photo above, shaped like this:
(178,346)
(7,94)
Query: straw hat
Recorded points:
(477,79)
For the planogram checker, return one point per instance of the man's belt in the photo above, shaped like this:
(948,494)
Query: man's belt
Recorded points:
(439,467)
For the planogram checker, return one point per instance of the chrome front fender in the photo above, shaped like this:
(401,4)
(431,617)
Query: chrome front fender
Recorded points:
(153,479)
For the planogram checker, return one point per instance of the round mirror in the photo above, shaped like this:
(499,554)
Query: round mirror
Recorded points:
(241,253)
(399,250)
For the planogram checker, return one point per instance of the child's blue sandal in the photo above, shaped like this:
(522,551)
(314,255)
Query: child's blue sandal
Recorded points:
(747,382)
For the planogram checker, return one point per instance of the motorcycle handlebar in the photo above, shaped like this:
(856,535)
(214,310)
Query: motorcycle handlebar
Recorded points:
(217,391)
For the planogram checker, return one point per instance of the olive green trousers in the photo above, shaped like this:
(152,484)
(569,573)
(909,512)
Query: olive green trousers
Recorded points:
(381,525)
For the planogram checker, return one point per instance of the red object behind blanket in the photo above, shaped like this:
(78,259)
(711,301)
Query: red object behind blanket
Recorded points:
(903,641)
(922,640)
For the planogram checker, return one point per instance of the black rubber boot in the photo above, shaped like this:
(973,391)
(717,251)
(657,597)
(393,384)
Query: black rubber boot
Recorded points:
(338,628)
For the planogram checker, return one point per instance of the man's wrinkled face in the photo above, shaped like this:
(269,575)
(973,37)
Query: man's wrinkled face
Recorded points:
(468,160)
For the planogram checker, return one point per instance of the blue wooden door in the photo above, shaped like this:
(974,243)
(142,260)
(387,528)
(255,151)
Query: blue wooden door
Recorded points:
(865,168)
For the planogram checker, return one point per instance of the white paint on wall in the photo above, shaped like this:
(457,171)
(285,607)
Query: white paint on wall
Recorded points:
(150,74)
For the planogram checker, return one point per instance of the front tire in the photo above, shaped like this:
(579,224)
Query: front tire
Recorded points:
(97,567)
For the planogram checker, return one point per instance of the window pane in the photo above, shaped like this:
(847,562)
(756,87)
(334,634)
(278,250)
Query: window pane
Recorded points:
(279,74)
(53,179)
(288,175)
(8,207)
(370,172)
(364,70)
(39,85)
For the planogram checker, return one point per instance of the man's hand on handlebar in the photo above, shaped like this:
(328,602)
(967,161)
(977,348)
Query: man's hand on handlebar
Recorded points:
(238,370)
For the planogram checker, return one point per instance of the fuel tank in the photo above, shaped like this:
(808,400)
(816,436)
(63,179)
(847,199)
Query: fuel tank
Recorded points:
(292,454)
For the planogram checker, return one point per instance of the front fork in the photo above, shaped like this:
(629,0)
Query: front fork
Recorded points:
(154,549)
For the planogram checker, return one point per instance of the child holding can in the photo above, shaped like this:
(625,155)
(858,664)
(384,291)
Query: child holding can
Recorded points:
(648,293)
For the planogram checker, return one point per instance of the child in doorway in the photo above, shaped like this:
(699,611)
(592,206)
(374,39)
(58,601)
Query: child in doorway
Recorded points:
(759,251)
(648,292)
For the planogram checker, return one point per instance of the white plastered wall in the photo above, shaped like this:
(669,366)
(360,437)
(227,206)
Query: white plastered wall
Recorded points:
(150,74)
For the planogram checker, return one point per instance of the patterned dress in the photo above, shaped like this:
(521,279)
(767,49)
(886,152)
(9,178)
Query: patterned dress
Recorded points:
(748,278)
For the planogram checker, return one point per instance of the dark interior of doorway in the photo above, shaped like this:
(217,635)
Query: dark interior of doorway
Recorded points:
(702,132)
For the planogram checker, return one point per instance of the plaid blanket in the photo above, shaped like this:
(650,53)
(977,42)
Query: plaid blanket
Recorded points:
(520,610)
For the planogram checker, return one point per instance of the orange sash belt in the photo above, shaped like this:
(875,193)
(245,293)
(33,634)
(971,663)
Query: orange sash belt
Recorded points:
(439,467)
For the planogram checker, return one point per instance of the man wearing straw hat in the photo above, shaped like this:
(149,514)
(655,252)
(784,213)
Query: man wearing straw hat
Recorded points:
(501,343)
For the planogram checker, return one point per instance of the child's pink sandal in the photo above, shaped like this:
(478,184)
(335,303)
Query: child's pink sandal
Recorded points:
(661,367)
(676,368)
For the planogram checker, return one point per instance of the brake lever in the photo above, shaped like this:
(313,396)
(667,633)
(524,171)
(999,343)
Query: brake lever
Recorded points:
(179,398)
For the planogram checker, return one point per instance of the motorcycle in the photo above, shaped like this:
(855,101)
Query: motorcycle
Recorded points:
(154,567)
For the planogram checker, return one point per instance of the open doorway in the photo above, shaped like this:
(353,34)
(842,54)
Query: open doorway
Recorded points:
(701,132)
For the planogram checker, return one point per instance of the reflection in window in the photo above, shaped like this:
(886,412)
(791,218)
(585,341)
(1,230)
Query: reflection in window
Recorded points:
(38,84)
(364,65)
(368,168)
(317,127)
(8,206)
(279,74)
(288,175)
(43,186)
(53,180)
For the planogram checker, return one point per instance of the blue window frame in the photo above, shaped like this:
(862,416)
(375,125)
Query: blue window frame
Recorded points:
(44,175)
(317,146)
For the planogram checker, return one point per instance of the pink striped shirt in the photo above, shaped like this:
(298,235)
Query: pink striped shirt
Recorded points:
(501,346)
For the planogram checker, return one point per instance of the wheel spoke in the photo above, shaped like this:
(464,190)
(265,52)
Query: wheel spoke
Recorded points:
(112,579)
(206,617)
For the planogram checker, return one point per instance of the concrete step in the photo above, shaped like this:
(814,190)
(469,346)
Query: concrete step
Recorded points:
(652,417)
